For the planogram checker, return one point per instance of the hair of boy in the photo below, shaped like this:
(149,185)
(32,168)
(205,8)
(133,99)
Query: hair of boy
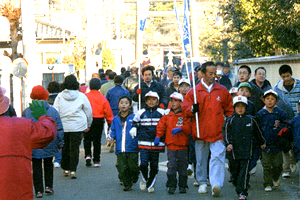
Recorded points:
(125,97)
(118,80)
(177,73)
(71,83)
(255,72)
(205,65)
(149,67)
(111,75)
(53,87)
(95,84)
(220,63)
(245,67)
(284,69)
(108,71)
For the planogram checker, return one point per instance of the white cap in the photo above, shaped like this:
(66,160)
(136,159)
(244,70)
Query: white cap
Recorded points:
(233,90)
(152,94)
(239,99)
(176,95)
(184,80)
(271,92)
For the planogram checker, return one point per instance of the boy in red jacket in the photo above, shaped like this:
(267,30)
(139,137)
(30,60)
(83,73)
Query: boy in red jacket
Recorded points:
(177,132)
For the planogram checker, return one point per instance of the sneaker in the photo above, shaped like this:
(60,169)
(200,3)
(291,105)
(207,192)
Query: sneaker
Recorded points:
(182,190)
(66,173)
(112,148)
(73,175)
(151,189)
(171,190)
(286,175)
(56,165)
(88,161)
(39,195)
(293,167)
(242,197)
(190,170)
(276,183)
(97,164)
(215,191)
(196,184)
(268,189)
(49,190)
(202,189)
(143,185)
(252,171)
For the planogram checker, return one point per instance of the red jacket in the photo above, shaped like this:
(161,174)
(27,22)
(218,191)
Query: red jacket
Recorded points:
(100,106)
(212,108)
(18,137)
(169,122)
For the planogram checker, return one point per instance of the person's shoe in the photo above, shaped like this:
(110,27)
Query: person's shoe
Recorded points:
(39,195)
(215,191)
(108,144)
(268,189)
(151,189)
(143,185)
(242,197)
(66,173)
(190,170)
(49,190)
(202,189)
(293,167)
(286,175)
(56,165)
(252,171)
(196,184)
(276,183)
(73,175)
(88,161)
(171,190)
(127,189)
(112,148)
(97,164)
(182,190)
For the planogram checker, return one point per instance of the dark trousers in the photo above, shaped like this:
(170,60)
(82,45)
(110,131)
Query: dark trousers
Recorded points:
(127,166)
(256,154)
(94,136)
(70,151)
(272,166)
(146,157)
(239,169)
(37,169)
(177,162)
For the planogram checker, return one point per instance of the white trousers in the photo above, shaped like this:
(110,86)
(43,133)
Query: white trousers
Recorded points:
(216,163)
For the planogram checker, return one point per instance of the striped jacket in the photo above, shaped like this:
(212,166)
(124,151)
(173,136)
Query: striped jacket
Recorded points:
(146,121)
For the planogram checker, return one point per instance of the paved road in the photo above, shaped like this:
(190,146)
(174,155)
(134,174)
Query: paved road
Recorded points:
(102,183)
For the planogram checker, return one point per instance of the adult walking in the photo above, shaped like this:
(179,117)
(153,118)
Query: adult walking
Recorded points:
(213,102)
(76,115)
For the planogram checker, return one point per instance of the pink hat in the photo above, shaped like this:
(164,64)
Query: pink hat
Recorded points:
(4,101)
(152,94)
(39,93)
(176,95)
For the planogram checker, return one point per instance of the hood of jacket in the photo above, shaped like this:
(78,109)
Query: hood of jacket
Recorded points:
(70,95)
(280,86)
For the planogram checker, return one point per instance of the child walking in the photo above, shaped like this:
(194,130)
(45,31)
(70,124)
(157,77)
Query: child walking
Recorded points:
(270,117)
(239,132)
(177,131)
(144,126)
(126,146)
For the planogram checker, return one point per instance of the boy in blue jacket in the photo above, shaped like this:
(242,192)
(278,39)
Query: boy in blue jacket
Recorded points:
(126,146)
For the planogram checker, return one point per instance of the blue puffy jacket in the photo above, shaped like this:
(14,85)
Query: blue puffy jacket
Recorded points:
(296,128)
(52,149)
(123,144)
(113,95)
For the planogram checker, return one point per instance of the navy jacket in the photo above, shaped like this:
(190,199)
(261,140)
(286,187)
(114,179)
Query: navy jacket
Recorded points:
(113,95)
(296,128)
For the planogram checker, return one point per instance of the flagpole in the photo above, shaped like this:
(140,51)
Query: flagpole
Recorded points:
(193,75)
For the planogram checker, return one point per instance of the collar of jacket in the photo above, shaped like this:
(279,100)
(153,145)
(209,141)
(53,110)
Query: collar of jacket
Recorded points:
(266,83)
(282,88)
(179,111)
(274,109)
(202,88)
(237,115)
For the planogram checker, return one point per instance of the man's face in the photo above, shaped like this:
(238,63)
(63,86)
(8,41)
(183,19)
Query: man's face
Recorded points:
(209,76)
(151,102)
(170,74)
(260,76)
(147,76)
(287,78)
(176,79)
(184,88)
(270,101)
(244,91)
(240,108)
(244,75)
(226,70)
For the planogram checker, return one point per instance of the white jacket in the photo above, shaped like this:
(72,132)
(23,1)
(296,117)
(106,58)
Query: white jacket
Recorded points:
(74,109)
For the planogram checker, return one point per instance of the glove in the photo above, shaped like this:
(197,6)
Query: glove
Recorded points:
(283,131)
(195,108)
(156,141)
(139,91)
(132,132)
(176,130)
(162,106)
(37,109)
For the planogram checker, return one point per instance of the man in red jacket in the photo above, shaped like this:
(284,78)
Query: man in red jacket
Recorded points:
(213,103)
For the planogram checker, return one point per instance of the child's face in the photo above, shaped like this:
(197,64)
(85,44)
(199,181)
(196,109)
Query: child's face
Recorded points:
(270,101)
(175,104)
(124,105)
(240,108)
(244,91)
(184,88)
(151,102)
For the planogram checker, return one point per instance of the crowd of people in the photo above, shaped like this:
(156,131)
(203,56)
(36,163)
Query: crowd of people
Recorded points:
(220,115)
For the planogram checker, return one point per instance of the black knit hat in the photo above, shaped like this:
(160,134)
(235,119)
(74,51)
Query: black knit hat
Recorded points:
(118,79)
(95,84)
